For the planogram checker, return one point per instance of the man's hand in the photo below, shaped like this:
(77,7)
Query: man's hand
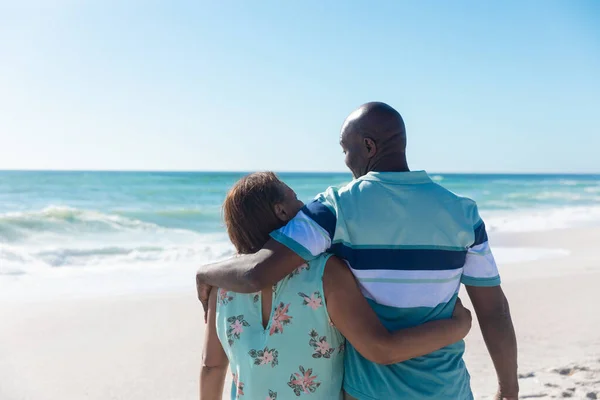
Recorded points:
(499,396)
(203,295)
(493,314)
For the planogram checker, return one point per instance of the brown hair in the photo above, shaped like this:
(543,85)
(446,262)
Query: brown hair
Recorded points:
(249,211)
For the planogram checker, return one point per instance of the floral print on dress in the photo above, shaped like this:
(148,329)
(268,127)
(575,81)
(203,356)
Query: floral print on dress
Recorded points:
(322,347)
(264,369)
(280,319)
(224,297)
(236,327)
(272,395)
(265,357)
(238,385)
(342,347)
(299,269)
(314,301)
(303,382)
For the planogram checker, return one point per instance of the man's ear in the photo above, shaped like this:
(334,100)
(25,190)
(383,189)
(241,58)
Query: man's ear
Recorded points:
(281,213)
(370,146)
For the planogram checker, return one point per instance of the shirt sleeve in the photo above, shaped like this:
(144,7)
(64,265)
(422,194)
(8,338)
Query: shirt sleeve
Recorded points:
(480,266)
(311,231)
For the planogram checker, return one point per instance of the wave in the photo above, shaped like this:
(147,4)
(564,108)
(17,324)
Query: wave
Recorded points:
(64,238)
(569,182)
(18,260)
(70,237)
(565,196)
(548,195)
(542,219)
(592,189)
(70,221)
(210,212)
(60,257)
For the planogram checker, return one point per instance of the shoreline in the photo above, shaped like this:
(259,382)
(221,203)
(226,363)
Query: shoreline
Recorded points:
(135,346)
(56,283)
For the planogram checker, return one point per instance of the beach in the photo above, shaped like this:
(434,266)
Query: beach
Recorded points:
(554,308)
(148,346)
(125,127)
(97,297)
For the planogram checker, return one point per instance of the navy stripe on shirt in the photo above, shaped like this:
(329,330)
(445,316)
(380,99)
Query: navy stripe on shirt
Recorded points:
(322,215)
(480,234)
(401,259)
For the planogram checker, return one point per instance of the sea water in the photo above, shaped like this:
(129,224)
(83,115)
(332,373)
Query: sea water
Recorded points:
(151,230)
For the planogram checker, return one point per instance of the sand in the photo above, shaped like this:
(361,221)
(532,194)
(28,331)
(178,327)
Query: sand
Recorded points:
(135,347)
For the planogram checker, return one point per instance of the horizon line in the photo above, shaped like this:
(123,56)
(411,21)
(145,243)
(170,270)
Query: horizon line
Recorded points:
(288,171)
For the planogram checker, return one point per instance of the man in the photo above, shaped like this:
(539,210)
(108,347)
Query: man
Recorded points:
(410,243)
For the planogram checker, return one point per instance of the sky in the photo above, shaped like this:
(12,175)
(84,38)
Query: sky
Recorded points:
(511,86)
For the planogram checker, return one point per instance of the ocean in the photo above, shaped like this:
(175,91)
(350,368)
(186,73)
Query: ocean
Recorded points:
(151,230)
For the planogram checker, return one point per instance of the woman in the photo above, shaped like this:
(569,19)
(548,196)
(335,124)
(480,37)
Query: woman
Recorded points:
(288,340)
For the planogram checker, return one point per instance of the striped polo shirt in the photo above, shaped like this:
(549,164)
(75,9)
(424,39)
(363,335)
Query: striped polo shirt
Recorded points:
(410,243)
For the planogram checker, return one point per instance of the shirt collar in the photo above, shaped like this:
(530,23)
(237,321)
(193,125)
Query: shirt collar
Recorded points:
(409,177)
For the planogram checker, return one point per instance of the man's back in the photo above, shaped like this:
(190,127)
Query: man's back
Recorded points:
(407,241)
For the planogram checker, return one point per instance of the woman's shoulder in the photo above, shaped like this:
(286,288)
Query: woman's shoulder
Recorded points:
(335,262)
(325,258)
(337,276)
(314,270)
(336,267)
(325,261)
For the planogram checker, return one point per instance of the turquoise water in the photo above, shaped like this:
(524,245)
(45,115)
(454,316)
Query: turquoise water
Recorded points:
(173,200)
(50,220)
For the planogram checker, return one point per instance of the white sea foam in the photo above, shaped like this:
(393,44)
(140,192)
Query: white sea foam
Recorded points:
(592,189)
(62,250)
(66,221)
(568,182)
(511,255)
(29,273)
(61,237)
(542,219)
(546,195)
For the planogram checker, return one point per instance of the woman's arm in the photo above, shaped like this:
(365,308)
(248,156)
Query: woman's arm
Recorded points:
(357,321)
(214,359)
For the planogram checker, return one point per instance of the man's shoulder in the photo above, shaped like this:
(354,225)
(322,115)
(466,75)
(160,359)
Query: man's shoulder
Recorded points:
(344,188)
(439,190)
(333,194)
(468,207)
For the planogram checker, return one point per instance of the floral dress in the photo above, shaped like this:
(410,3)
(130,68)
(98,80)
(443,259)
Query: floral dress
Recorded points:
(299,354)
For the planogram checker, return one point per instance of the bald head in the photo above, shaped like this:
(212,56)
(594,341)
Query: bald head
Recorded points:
(374,139)
(377,121)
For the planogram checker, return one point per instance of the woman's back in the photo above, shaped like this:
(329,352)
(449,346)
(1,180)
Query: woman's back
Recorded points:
(299,352)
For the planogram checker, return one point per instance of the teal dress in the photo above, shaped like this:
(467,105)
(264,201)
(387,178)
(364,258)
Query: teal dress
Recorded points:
(299,354)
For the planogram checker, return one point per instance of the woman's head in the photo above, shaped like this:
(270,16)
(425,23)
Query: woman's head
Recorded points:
(255,206)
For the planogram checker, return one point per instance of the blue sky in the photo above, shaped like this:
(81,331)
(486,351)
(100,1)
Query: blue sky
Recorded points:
(509,86)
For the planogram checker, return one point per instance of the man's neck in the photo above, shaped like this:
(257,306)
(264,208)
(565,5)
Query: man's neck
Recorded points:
(391,166)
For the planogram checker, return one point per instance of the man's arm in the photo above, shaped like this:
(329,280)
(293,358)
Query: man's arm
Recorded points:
(482,280)
(493,313)
(302,239)
(253,272)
